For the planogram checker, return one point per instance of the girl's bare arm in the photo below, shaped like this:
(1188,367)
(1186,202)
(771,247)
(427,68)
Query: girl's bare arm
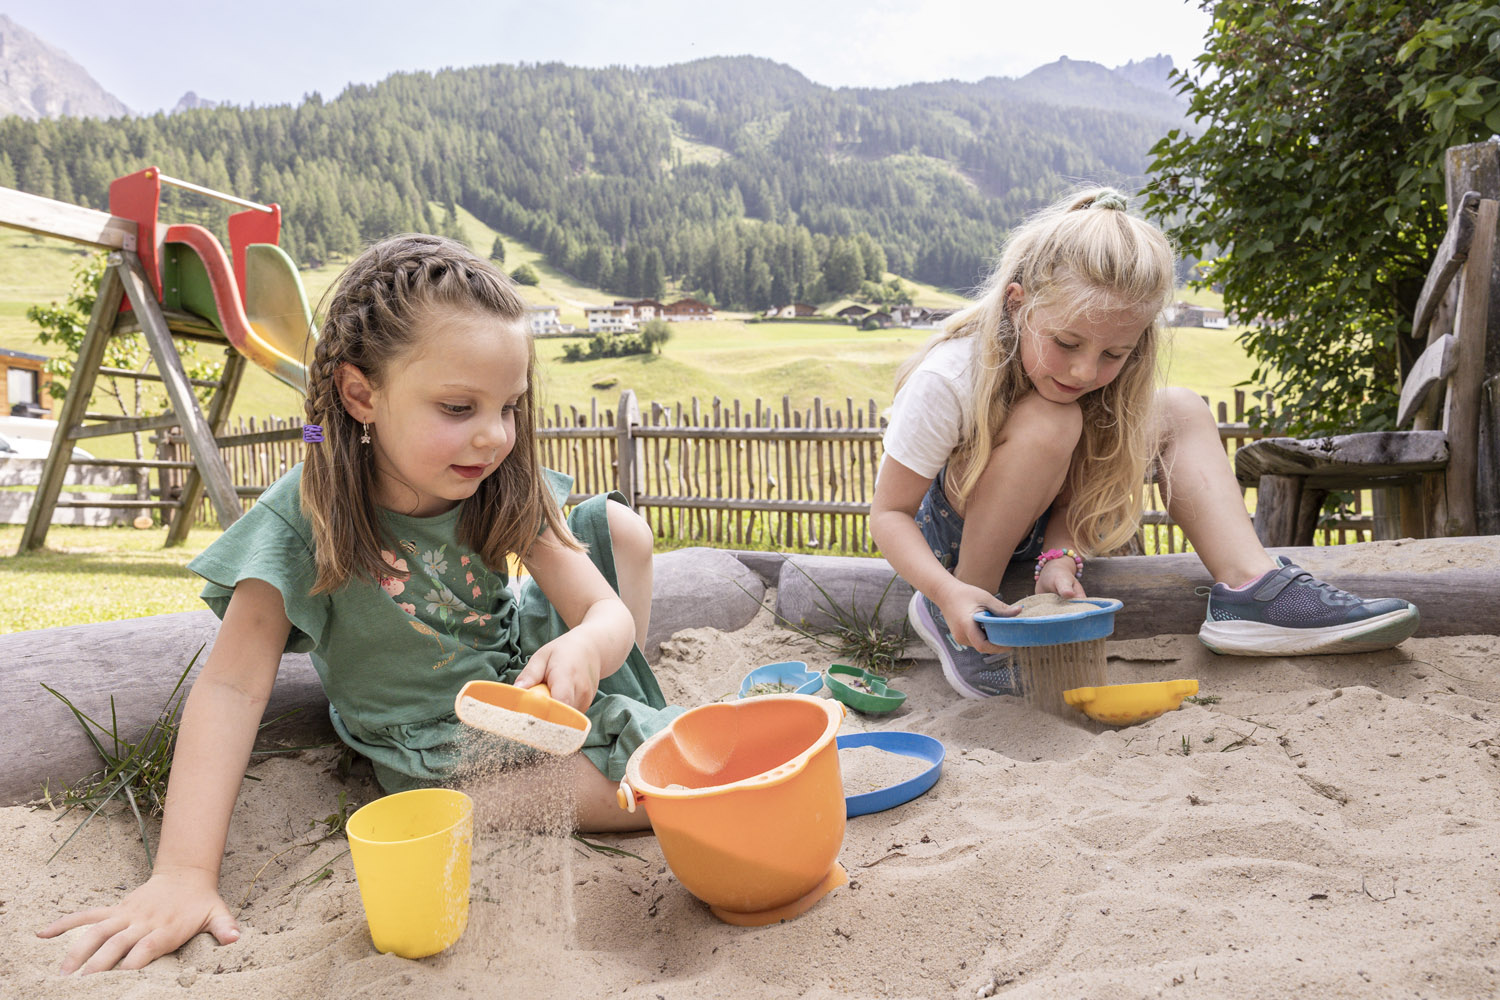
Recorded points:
(893,526)
(219,722)
(1059,576)
(600,627)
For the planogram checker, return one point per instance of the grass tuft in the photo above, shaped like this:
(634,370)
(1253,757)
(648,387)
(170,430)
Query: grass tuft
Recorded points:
(854,637)
(606,849)
(135,773)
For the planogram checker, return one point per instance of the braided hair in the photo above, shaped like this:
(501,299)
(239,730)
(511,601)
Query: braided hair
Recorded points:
(369,323)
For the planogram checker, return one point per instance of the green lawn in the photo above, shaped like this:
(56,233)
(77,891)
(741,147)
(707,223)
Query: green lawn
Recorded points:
(732,358)
(96,574)
(92,574)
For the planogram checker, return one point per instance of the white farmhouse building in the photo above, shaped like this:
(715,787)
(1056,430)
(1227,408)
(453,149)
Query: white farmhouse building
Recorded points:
(543,320)
(610,319)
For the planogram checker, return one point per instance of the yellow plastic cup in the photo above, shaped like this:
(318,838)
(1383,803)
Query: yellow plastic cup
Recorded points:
(411,859)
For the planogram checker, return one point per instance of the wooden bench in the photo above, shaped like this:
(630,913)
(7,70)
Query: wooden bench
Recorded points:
(1441,472)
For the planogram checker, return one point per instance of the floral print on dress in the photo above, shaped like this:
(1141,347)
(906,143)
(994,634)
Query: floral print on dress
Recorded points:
(435,563)
(443,603)
(394,585)
(441,614)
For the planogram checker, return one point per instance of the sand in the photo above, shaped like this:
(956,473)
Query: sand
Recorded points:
(548,737)
(1328,828)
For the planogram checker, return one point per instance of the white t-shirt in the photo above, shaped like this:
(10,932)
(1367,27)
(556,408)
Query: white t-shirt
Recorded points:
(931,413)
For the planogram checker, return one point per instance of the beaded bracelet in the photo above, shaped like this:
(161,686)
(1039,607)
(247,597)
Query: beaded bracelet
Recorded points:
(1052,554)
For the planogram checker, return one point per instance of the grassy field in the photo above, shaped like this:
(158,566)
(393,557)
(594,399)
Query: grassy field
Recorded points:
(90,574)
(96,574)
(733,357)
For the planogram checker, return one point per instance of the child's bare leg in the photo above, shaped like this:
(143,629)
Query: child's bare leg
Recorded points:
(598,807)
(632,540)
(1202,495)
(1022,478)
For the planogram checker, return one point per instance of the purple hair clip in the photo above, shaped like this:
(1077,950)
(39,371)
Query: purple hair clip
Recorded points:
(312,433)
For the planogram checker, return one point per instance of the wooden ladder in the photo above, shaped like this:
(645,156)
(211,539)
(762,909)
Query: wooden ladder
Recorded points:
(125,278)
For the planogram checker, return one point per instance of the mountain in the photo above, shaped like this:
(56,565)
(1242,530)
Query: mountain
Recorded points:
(1150,74)
(192,102)
(1137,88)
(734,178)
(40,81)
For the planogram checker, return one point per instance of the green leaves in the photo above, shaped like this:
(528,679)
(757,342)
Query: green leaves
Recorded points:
(1316,184)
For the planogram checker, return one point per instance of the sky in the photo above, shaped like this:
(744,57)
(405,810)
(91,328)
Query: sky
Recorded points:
(277,51)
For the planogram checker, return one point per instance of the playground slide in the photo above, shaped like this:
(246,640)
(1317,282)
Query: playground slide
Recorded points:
(271,326)
(276,305)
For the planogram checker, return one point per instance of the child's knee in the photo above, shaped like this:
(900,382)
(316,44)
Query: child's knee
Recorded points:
(1180,407)
(1042,428)
(629,533)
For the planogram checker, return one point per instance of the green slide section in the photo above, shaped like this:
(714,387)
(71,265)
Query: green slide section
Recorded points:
(276,306)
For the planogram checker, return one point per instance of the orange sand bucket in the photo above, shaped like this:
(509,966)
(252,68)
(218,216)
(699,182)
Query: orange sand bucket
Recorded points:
(747,803)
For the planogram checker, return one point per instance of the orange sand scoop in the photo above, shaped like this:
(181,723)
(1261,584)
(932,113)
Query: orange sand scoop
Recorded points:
(1127,704)
(525,715)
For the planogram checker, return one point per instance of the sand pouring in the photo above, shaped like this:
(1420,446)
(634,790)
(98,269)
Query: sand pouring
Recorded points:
(525,715)
(1060,651)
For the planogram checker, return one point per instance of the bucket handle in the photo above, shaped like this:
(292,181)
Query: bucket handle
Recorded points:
(625,795)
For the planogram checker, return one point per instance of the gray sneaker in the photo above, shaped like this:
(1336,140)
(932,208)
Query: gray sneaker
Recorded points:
(1288,612)
(971,673)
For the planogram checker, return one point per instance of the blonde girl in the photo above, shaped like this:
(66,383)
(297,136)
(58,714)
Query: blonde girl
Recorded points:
(1025,431)
(383,556)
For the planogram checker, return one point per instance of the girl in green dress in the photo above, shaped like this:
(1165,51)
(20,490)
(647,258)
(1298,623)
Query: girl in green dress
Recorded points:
(384,557)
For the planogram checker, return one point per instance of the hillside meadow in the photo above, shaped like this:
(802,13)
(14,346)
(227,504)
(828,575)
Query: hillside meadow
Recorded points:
(734,357)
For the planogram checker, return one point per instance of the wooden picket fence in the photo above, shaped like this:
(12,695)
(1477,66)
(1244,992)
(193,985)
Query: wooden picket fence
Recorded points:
(729,474)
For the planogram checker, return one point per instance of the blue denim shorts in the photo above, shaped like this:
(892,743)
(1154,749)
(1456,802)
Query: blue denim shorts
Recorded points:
(944,529)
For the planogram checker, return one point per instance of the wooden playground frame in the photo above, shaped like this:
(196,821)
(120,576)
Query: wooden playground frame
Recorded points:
(148,286)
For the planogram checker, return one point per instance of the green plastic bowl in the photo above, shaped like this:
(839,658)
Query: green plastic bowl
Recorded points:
(874,699)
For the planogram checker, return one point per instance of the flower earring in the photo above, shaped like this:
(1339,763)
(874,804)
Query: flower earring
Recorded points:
(365,437)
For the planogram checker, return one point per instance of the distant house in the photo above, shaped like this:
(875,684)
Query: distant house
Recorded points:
(610,319)
(645,309)
(907,314)
(932,319)
(880,318)
(684,309)
(852,313)
(543,320)
(1186,314)
(25,386)
(792,311)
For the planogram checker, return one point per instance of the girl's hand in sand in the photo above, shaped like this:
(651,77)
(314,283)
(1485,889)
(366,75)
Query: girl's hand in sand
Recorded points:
(1059,577)
(152,921)
(960,602)
(570,664)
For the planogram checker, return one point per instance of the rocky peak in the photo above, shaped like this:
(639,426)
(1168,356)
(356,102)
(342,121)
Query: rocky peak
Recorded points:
(40,81)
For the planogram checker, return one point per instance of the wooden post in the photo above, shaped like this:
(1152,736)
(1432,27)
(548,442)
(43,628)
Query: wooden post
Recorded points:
(627,457)
(75,404)
(1476,167)
(218,416)
(206,458)
(1462,418)
(1286,511)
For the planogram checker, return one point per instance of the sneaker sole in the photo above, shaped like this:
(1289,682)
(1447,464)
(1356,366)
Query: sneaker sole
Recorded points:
(939,646)
(1242,638)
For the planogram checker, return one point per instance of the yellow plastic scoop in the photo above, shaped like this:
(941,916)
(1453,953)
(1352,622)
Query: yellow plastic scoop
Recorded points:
(1127,704)
(526,715)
